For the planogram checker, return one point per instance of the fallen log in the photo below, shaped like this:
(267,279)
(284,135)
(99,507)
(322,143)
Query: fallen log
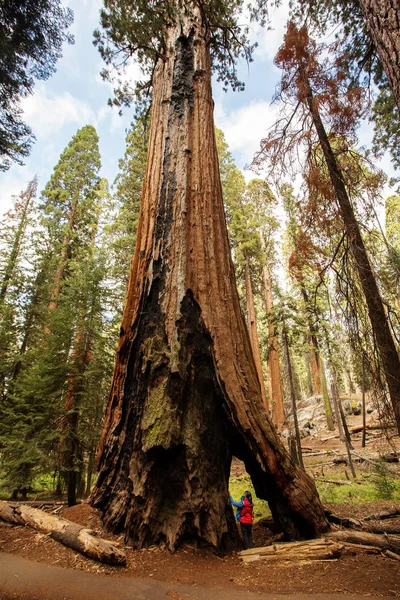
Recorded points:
(358,428)
(392,555)
(335,481)
(385,542)
(378,528)
(70,534)
(347,522)
(320,549)
(385,514)
(362,548)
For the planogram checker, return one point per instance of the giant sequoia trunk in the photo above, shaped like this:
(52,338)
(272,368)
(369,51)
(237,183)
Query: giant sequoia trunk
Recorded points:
(252,325)
(185,395)
(384,340)
(383,22)
(274,371)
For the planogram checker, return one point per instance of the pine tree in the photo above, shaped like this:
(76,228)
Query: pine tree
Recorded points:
(128,191)
(14,277)
(43,376)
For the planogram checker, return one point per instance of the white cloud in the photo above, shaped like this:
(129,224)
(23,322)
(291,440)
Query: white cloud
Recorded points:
(47,114)
(270,39)
(245,127)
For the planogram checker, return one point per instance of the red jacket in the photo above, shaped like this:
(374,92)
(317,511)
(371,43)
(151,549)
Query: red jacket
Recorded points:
(246,513)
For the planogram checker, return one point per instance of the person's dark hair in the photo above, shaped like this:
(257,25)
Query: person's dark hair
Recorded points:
(247,495)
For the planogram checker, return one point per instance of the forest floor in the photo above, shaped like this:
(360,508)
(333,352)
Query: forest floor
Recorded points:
(189,573)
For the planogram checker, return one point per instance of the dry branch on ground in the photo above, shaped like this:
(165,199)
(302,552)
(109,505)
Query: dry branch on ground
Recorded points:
(320,549)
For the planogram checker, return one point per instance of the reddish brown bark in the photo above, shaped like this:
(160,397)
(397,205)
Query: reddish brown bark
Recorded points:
(274,371)
(383,22)
(252,325)
(185,395)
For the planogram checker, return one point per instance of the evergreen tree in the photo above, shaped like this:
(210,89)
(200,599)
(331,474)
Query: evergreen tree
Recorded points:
(15,274)
(32,33)
(128,191)
(36,401)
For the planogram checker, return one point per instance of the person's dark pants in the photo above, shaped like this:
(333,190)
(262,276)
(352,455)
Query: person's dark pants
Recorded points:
(247,534)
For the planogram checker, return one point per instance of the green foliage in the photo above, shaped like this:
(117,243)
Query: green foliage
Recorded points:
(63,299)
(360,492)
(128,191)
(138,30)
(67,200)
(386,119)
(383,481)
(32,33)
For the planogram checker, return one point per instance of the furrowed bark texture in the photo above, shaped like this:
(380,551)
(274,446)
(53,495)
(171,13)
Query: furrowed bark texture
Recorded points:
(252,325)
(185,393)
(274,371)
(384,340)
(383,21)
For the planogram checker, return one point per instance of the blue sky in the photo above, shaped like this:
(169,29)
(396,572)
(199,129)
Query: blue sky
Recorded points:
(76,96)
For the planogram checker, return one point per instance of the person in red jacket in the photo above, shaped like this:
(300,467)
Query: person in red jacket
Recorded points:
(244,514)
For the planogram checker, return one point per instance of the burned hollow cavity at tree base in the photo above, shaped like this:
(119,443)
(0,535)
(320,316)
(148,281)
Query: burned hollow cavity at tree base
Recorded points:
(185,395)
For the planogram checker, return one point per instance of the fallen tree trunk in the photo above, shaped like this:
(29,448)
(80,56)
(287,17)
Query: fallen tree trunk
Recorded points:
(392,529)
(359,428)
(386,542)
(362,548)
(321,549)
(386,514)
(70,534)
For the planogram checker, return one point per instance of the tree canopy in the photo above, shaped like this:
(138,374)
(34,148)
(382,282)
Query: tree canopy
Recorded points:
(32,33)
(139,30)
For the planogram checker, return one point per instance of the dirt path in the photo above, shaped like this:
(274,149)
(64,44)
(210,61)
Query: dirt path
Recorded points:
(21,579)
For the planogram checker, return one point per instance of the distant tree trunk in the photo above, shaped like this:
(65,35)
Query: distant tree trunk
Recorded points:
(314,347)
(252,325)
(336,400)
(293,399)
(70,445)
(89,471)
(384,27)
(325,395)
(307,362)
(185,395)
(364,414)
(384,340)
(274,370)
